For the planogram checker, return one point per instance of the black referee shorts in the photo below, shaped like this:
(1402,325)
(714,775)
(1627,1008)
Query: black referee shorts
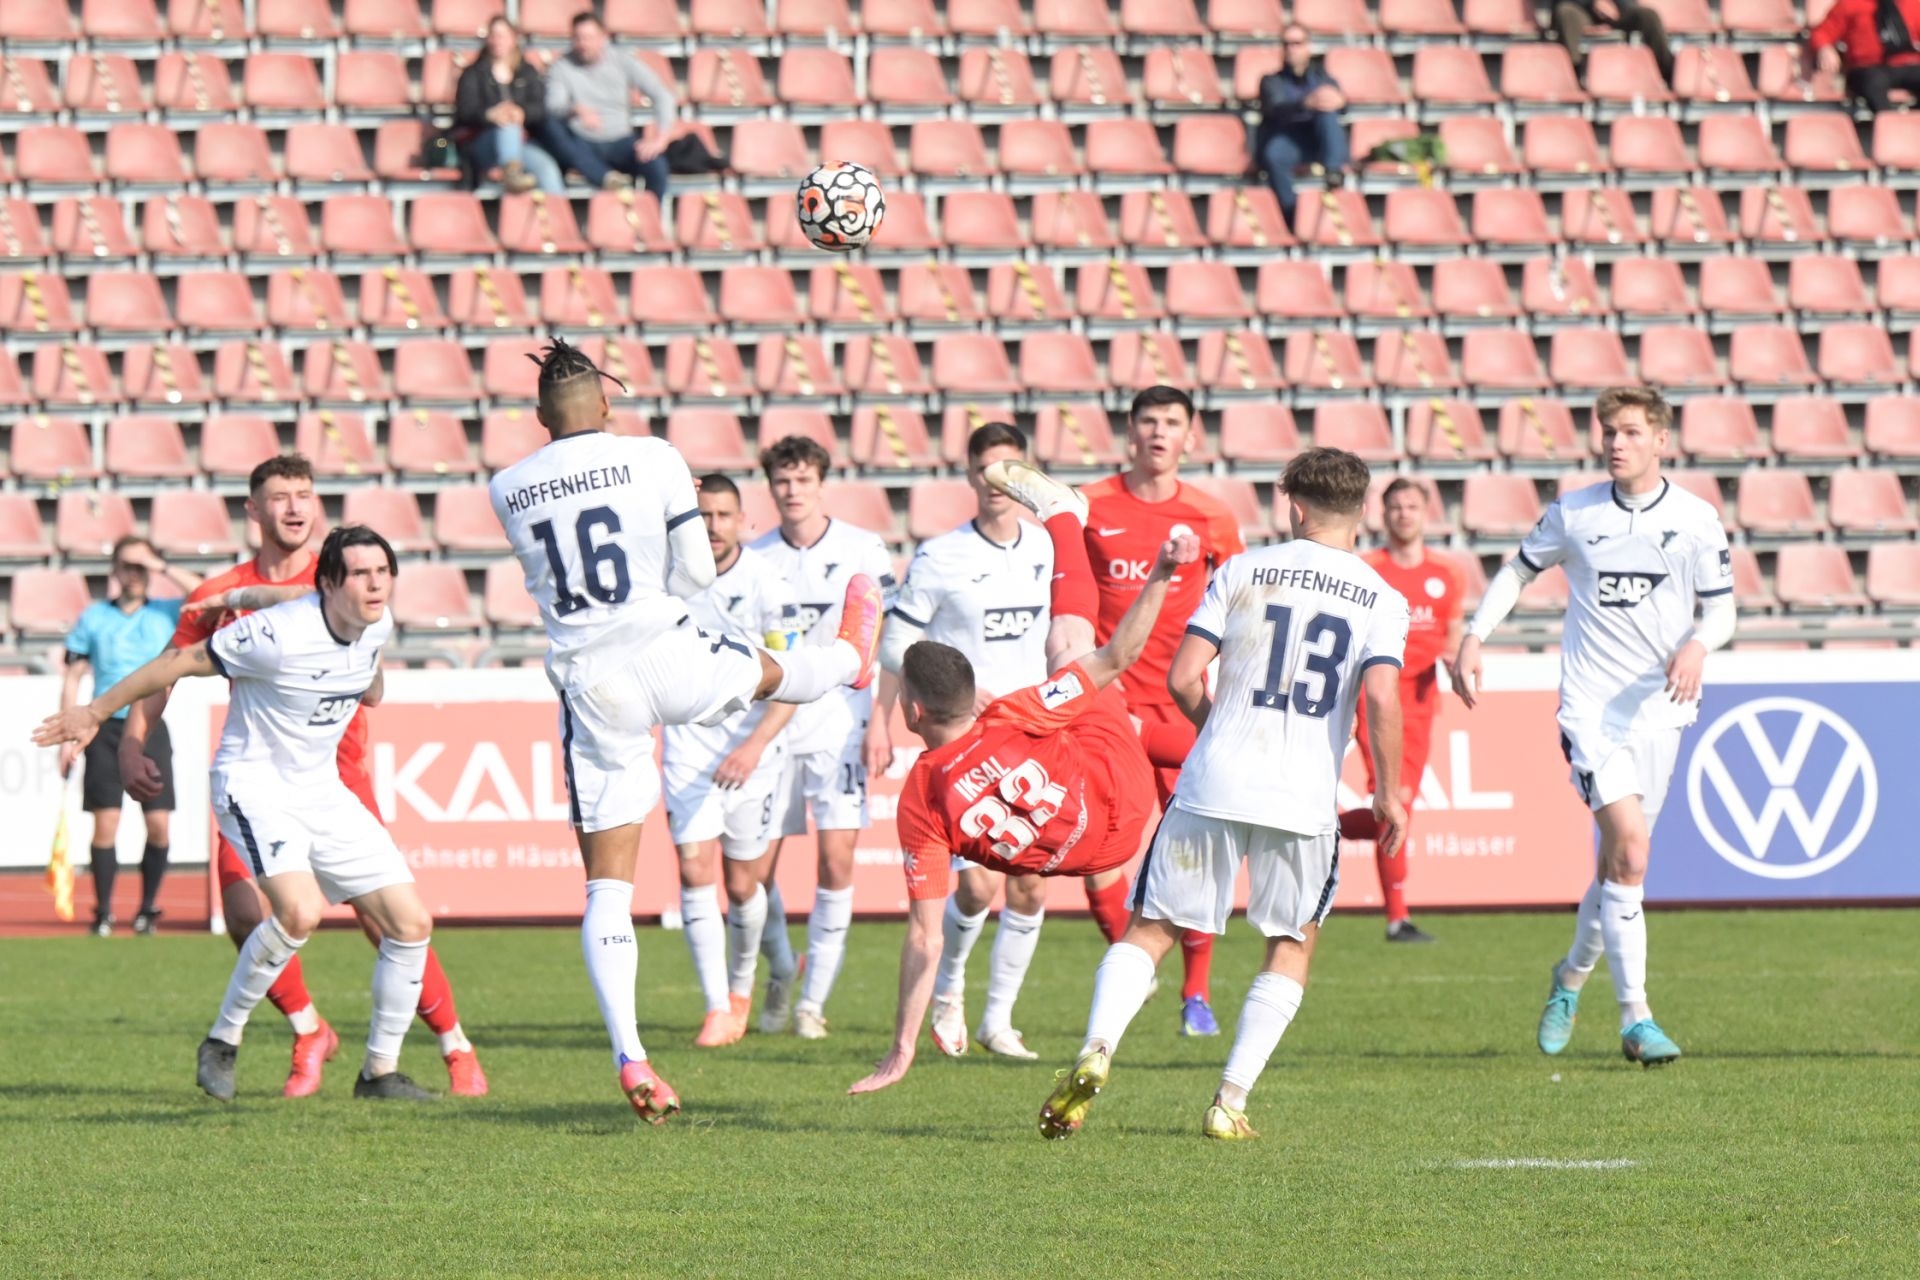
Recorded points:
(102,789)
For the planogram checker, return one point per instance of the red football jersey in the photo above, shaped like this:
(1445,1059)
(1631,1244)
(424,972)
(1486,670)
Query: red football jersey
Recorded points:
(1124,535)
(1434,597)
(1026,791)
(195,627)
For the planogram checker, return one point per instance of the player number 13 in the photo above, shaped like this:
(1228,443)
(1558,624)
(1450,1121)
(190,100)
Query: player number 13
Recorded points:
(1322,628)
(1026,789)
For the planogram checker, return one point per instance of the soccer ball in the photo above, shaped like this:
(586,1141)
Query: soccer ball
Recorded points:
(840,207)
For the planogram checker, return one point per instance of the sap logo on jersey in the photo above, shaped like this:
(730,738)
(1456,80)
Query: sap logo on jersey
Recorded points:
(806,616)
(334,710)
(1782,752)
(1624,590)
(1008,624)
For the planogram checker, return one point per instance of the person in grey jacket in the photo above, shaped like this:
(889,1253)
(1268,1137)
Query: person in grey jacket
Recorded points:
(500,103)
(589,126)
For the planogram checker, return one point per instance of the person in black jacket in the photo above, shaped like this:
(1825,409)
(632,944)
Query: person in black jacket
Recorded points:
(499,103)
(1300,106)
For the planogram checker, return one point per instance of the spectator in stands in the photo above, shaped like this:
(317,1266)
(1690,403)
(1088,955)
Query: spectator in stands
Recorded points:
(1572,19)
(1872,44)
(590,113)
(1300,108)
(500,104)
(115,638)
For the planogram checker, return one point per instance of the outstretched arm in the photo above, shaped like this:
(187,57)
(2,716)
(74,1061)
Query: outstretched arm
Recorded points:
(1130,637)
(81,723)
(919,957)
(247,599)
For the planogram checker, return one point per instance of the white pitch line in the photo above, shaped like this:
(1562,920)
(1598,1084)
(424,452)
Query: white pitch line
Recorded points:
(1542,1162)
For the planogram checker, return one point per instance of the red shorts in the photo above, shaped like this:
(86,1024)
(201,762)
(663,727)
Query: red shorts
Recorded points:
(229,868)
(1114,756)
(1164,779)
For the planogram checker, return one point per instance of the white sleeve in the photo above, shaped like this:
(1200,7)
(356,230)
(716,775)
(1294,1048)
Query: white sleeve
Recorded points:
(1209,620)
(1386,638)
(249,646)
(1502,594)
(1717,619)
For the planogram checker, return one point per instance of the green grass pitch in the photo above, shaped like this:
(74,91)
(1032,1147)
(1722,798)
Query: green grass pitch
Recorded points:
(1783,1144)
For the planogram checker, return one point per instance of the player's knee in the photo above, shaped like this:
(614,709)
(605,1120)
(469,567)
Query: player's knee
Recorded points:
(159,827)
(408,921)
(240,903)
(1026,894)
(106,827)
(973,897)
(299,919)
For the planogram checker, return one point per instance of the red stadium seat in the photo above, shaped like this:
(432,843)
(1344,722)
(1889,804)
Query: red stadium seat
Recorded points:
(126,302)
(699,366)
(1499,505)
(1769,356)
(22,238)
(729,80)
(1736,288)
(1678,356)
(385,20)
(449,224)
(215,302)
(906,78)
(291,19)
(1074,434)
(340,371)
(88,522)
(795,367)
(1649,146)
(508,435)
(395,513)
(32,302)
(145,155)
(273,227)
(1686,17)
(1347,19)
(1896,143)
(1858,355)
(37,24)
(1536,76)
(1247,218)
(1206,293)
(1869,504)
(48,602)
(1413,360)
(887,437)
(1709,73)
(843,294)
(400,299)
(1155,20)
(1137,360)
(1086,76)
(53,155)
(938,506)
(1076,221)
(671,296)
(1259,432)
(1816,575)
(1720,429)
(487,298)
(315,153)
(759,297)
(1181,79)
(728,21)
(937,293)
(372,82)
(1020,294)
(105,84)
(997,79)
(770,149)
(507,604)
(1058,364)
(1736,144)
(779,422)
(1366,76)
(1750,591)
(463,521)
(575,297)
(1117,292)
(1501,360)
(232,445)
(360,227)
(902,19)
(1624,76)
(1561,147)
(1246,20)
(1508,218)
(955,149)
(1250,510)
(1358,426)
(1893,574)
(425,442)
(1423,19)
(338,444)
(1865,218)
(55,450)
(399,154)
(1596,216)
(23,535)
(283,85)
(715,223)
(1689,217)
(1477,148)
(1893,427)
(1781,79)
(1419,218)
(1335,219)
(1236,362)
(1588,359)
(1324,360)
(1125,148)
(1445,432)
(1821,286)
(629,360)
(815,79)
(192,524)
(434,598)
(626,222)
(980,220)
(253,372)
(1469,291)
(300,299)
(13,392)
(863,142)
(1386,291)
(710,439)
(1777,503)
(1824,142)
(72,375)
(1210,145)
(1538,430)
(177,226)
(1449,76)
(1561,289)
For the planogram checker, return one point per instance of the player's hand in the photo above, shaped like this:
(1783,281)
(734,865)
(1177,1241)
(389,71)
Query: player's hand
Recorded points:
(140,777)
(737,767)
(1467,671)
(1175,552)
(213,602)
(76,726)
(68,754)
(1683,672)
(889,1070)
(1391,819)
(877,754)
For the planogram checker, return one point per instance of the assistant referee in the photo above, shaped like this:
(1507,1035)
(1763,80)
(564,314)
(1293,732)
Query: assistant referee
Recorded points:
(112,639)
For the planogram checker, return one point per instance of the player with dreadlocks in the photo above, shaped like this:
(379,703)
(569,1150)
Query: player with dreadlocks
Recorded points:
(607,530)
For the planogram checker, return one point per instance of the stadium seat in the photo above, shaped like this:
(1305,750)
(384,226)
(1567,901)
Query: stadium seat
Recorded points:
(177,227)
(795,366)
(1562,290)
(384,20)
(249,371)
(712,223)
(706,367)
(1735,145)
(814,81)
(1866,219)
(315,153)
(488,298)
(52,450)
(145,155)
(423,443)
(1076,222)
(906,80)
(671,297)
(23,535)
(87,522)
(463,520)
(728,21)
(1236,22)
(1366,77)
(104,85)
(1209,146)
(1259,432)
(1057,364)
(338,444)
(769,150)
(299,299)
(862,142)
(1720,429)
(624,223)
(1824,143)
(1424,220)
(1536,77)
(1155,20)
(1781,80)
(845,295)
(1599,216)
(1137,360)
(1247,219)
(631,361)
(401,299)
(1561,149)
(1467,292)
(575,297)
(394,512)
(1588,359)
(1678,356)
(38,24)
(1448,77)
(1085,79)
(399,154)
(1324,360)
(1334,219)
(282,86)
(1498,506)
(192,524)
(273,227)
(232,445)
(33,302)
(1893,574)
(340,371)
(444,224)
(1816,575)
(1068,434)
(1180,79)
(53,155)
(1776,503)
(1855,355)
(1896,146)
(22,237)
(1478,149)
(710,439)
(1022,294)
(1444,432)
(1893,427)
(954,150)
(1413,360)
(1368,134)
(1864,503)
(1648,148)
(434,598)
(1380,292)
(937,294)
(1538,430)
(13,392)
(1689,218)
(1254,515)
(1358,426)
(1235,363)
(1501,360)
(48,602)
(1508,220)
(938,506)
(1117,292)
(370,83)
(126,302)
(1708,75)
(1822,287)
(1769,356)
(722,81)
(1750,591)
(891,437)
(440,75)
(1126,149)
(72,375)
(1624,77)
(507,604)
(215,302)
(1733,289)
(994,79)
(295,20)
(360,227)
(1291,291)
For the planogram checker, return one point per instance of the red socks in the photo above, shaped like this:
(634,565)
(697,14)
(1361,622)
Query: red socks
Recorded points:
(436,998)
(1109,907)
(289,990)
(1196,949)
(1393,881)
(1075,593)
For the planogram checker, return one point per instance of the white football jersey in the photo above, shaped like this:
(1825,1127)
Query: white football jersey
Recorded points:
(1633,578)
(1297,623)
(746,601)
(986,600)
(588,516)
(295,687)
(818,576)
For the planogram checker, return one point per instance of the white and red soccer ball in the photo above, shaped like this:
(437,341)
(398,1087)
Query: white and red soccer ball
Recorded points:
(840,207)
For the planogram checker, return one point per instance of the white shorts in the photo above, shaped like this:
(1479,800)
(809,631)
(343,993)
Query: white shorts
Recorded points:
(324,831)
(1194,860)
(832,785)
(1607,766)
(740,818)
(606,732)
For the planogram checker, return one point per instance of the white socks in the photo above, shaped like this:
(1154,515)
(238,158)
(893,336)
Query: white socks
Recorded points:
(1119,989)
(396,994)
(775,943)
(707,940)
(1271,1003)
(613,963)
(746,925)
(1013,947)
(826,943)
(1623,923)
(958,933)
(304,1021)
(262,956)
(810,672)
(1587,941)
(454,1041)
